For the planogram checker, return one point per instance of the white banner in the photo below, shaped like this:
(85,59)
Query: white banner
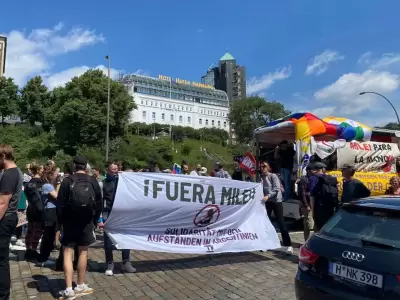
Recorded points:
(369,156)
(189,214)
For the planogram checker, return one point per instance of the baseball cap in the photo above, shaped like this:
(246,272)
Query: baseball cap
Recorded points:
(317,166)
(347,166)
(80,160)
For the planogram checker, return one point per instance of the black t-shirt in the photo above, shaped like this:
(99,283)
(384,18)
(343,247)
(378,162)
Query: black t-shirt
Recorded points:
(354,189)
(11,183)
(286,157)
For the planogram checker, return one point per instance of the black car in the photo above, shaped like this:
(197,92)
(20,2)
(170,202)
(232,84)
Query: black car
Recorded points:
(355,256)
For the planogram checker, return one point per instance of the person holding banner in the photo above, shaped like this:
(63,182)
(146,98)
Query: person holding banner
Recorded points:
(273,202)
(109,189)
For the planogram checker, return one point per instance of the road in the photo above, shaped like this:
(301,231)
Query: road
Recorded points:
(252,275)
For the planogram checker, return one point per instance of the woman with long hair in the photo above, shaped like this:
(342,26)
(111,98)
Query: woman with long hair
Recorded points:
(49,196)
(394,186)
(34,216)
(273,202)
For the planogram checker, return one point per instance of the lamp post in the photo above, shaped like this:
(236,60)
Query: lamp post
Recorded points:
(108,107)
(395,111)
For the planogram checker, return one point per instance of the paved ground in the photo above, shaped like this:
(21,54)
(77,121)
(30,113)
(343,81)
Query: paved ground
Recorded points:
(257,275)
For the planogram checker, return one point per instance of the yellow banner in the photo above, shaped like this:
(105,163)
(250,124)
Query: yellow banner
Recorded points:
(377,183)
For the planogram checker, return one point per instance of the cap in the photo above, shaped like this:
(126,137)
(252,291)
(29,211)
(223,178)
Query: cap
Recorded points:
(317,166)
(80,160)
(203,170)
(347,166)
(219,164)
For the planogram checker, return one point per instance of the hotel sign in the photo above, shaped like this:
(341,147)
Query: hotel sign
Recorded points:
(182,81)
(3,48)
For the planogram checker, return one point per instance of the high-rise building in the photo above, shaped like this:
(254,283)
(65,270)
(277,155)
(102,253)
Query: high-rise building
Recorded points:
(228,77)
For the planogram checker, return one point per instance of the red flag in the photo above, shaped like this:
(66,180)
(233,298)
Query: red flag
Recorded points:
(248,164)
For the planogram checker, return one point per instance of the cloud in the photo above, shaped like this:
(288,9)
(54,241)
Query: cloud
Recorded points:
(365,58)
(344,93)
(319,64)
(386,62)
(323,112)
(257,85)
(30,54)
(61,78)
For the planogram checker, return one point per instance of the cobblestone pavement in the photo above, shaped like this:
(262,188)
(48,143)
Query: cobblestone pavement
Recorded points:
(256,275)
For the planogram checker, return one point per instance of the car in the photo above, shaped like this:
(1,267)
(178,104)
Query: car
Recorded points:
(356,255)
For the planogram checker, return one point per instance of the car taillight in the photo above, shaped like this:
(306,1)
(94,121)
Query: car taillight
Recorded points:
(306,256)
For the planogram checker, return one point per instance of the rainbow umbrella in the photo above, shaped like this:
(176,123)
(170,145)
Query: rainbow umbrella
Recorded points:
(350,130)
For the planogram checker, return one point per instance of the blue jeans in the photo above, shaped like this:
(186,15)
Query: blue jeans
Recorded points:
(286,176)
(109,247)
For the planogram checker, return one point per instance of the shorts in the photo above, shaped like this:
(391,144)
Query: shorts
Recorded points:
(76,235)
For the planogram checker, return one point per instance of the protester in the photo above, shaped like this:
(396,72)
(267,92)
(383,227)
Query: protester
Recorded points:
(220,172)
(49,197)
(19,244)
(34,212)
(203,171)
(284,155)
(68,171)
(11,179)
(79,207)
(237,172)
(109,189)
(394,186)
(304,195)
(185,168)
(273,202)
(323,195)
(353,189)
(197,171)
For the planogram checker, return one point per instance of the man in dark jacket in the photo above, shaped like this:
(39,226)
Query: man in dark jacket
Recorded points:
(353,189)
(237,172)
(110,184)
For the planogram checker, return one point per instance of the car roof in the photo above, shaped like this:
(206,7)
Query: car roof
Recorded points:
(387,202)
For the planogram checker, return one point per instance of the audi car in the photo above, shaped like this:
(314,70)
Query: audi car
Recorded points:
(355,256)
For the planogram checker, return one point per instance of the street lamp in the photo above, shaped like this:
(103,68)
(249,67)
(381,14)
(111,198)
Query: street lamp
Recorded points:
(395,111)
(108,107)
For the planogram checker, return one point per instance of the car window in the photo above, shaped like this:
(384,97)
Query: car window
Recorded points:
(380,227)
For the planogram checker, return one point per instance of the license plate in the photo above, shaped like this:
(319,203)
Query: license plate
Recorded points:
(356,275)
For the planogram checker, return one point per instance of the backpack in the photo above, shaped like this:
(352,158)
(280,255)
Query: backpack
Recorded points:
(326,191)
(81,196)
(33,193)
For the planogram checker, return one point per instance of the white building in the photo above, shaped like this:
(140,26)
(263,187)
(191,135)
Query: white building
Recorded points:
(177,102)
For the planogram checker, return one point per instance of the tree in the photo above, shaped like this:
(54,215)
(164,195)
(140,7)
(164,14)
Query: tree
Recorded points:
(248,114)
(34,102)
(392,125)
(81,111)
(8,98)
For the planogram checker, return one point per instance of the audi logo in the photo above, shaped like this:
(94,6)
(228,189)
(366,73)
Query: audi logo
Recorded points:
(353,256)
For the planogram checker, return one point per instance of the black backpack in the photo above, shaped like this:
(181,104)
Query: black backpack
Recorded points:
(81,195)
(326,192)
(33,192)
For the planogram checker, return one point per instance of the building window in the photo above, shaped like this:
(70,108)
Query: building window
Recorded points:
(180,119)
(163,116)
(200,121)
(172,117)
(212,123)
(189,119)
(144,114)
(206,122)
(219,123)
(224,124)
(153,115)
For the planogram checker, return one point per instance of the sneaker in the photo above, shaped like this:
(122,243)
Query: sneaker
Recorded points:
(20,243)
(67,295)
(127,267)
(110,269)
(17,248)
(47,263)
(289,250)
(13,239)
(83,289)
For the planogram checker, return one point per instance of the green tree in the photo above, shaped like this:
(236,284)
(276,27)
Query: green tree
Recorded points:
(248,114)
(81,111)
(34,101)
(392,126)
(8,98)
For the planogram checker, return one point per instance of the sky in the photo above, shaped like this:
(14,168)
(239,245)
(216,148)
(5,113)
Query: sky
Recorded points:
(310,55)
